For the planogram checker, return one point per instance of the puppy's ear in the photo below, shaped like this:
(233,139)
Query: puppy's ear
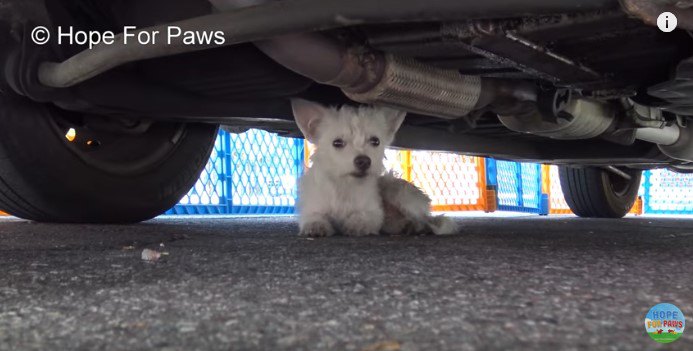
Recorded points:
(308,116)
(393,118)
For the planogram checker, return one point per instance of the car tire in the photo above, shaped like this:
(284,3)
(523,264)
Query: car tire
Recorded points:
(594,192)
(98,177)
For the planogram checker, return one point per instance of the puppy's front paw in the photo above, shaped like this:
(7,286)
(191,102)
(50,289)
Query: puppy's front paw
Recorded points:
(316,229)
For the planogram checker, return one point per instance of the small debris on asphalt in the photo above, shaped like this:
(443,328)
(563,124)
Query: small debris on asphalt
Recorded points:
(126,248)
(150,255)
(384,346)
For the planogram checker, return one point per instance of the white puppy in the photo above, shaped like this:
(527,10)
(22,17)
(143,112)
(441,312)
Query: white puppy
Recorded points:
(345,190)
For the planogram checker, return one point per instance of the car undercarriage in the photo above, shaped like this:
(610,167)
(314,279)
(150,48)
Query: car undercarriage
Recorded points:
(579,83)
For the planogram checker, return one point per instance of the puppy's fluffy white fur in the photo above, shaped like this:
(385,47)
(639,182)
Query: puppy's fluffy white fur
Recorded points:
(336,197)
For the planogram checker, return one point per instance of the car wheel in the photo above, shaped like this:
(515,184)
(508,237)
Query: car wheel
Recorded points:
(597,193)
(58,166)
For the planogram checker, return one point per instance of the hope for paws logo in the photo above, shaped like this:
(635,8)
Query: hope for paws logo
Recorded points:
(665,323)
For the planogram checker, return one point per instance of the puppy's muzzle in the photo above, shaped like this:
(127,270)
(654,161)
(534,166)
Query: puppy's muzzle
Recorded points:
(362,163)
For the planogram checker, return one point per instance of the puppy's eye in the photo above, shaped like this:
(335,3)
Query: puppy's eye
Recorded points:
(338,143)
(375,141)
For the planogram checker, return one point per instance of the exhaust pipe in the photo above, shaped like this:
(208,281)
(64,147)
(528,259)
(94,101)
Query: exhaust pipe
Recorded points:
(373,77)
(410,85)
(665,136)
(673,141)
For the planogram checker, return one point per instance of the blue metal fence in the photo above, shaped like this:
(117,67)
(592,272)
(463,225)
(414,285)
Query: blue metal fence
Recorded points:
(257,173)
(264,173)
(251,173)
(666,192)
(210,195)
(518,186)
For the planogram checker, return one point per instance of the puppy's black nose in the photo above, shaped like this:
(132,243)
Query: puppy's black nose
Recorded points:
(362,163)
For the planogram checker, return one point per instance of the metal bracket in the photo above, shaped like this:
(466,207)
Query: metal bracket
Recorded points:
(618,172)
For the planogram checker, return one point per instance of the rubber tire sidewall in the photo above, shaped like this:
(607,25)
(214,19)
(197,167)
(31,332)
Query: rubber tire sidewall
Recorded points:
(42,179)
(589,194)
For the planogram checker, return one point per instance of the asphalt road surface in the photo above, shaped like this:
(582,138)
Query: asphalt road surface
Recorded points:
(249,283)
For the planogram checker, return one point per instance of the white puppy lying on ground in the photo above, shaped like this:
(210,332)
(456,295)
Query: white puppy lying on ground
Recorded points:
(346,190)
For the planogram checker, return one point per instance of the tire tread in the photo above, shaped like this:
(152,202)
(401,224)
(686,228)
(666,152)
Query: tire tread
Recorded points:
(586,193)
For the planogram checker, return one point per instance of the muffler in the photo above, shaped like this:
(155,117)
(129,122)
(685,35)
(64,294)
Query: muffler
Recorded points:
(582,118)
(578,119)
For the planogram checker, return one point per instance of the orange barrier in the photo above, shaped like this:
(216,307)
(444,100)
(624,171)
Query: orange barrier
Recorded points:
(3,214)
(638,207)
(308,150)
(454,182)
(551,185)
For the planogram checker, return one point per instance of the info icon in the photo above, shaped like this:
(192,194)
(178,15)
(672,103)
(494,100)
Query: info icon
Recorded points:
(667,22)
